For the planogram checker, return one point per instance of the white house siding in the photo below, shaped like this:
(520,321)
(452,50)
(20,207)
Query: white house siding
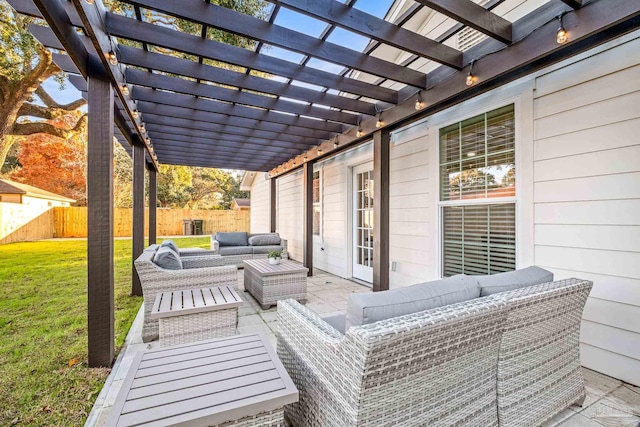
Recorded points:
(587,197)
(410,213)
(289,212)
(260,204)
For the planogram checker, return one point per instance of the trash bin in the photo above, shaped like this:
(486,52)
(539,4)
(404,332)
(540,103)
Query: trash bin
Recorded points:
(187,227)
(197,227)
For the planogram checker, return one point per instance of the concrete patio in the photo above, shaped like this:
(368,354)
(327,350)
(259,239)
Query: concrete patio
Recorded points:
(609,402)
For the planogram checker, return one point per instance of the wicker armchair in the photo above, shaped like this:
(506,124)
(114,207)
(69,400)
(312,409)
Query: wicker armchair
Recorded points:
(197,272)
(507,359)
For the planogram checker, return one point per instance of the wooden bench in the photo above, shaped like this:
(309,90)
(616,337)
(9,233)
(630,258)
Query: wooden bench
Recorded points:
(231,381)
(198,314)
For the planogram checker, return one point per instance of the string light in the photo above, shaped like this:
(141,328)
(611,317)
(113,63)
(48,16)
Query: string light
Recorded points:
(319,150)
(359,132)
(135,114)
(113,59)
(336,142)
(304,158)
(143,129)
(562,36)
(419,104)
(470,77)
(379,123)
(125,89)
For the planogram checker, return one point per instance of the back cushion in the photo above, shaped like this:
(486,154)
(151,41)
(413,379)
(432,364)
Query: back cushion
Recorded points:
(238,238)
(170,244)
(167,258)
(511,280)
(265,239)
(364,308)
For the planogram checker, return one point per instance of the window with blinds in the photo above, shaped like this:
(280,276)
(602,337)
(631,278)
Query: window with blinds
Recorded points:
(477,161)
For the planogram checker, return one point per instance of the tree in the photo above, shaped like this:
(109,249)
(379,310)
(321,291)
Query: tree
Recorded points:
(24,66)
(173,183)
(122,177)
(54,164)
(229,187)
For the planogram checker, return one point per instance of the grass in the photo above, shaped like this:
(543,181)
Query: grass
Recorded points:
(44,378)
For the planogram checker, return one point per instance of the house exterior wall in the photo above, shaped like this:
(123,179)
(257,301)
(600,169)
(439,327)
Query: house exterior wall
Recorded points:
(260,204)
(15,215)
(577,193)
(289,212)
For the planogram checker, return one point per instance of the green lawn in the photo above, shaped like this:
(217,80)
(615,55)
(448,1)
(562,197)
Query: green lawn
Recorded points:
(44,378)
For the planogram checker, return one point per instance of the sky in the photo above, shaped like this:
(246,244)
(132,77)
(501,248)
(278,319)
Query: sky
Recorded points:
(286,18)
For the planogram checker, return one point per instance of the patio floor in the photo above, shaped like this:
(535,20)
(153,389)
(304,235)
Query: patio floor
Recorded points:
(609,402)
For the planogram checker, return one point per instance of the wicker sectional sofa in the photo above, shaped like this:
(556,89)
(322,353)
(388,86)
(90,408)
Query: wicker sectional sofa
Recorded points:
(507,359)
(236,247)
(196,272)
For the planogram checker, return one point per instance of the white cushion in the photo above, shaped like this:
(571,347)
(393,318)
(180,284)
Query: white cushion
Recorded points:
(501,282)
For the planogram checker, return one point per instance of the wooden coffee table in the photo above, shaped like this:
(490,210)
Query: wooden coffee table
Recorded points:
(197,314)
(270,283)
(235,381)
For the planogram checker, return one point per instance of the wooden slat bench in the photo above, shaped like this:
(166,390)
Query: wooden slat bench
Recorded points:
(198,314)
(229,381)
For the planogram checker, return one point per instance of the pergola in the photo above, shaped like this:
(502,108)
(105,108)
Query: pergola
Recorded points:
(180,111)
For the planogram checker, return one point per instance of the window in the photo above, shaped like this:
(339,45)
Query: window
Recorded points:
(477,194)
(316,204)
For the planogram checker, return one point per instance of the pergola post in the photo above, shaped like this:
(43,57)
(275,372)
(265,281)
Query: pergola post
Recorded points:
(153,201)
(138,212)
(381,141)
(100,222)
(307,237)
(272,204)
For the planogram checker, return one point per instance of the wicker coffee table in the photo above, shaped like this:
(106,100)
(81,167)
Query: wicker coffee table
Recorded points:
(270,283)
(198,314)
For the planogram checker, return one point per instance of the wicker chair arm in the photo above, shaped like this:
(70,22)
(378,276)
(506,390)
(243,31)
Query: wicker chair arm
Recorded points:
(215,245)
(190,262)
(191,252)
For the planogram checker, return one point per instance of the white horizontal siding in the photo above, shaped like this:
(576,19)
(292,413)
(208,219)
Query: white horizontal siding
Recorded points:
(587,197)
(289,213)
(260,204)
(410,216)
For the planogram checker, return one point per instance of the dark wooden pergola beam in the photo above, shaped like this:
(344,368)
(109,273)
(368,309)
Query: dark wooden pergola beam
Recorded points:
(381,179)
(223,18)
(211,106)
(190,125)
(187,87)
(212,162)
(137,237)
(191,69)
(475,16)
(173,145)
(168,38)
(206,138)
(307,220)
(593,24)
(187,113)
(352,19)
(575,4)
(153,201)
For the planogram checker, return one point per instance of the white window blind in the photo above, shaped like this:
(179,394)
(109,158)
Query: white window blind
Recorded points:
(477,161)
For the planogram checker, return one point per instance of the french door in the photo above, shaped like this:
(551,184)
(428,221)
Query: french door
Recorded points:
(363,188)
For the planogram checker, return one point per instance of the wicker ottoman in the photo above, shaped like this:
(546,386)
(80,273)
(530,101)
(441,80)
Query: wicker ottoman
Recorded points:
(270,283)
(197,314)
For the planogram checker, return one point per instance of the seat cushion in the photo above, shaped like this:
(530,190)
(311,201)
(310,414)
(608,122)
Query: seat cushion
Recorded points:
(266,249)
(170,244)
(236,250)
(510,280)
(269,239)
(337,321)
(168,259)
(238,238)
(365,308)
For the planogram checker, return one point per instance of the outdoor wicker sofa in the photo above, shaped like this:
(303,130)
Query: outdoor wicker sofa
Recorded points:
(507,359)
(236,247)
(197,272)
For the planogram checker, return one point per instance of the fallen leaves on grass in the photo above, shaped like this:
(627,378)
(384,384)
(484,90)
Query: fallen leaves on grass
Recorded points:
(73,362)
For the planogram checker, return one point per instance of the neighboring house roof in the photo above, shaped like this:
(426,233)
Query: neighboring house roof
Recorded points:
(243,203)
(10,187)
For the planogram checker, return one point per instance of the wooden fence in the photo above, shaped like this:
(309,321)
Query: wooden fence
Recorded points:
(72,221)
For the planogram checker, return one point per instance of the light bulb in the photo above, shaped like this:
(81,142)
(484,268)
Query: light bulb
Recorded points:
(113,59)
(304,158)
(143,128)
(359,133)
(89,1)
(148,140)
(125,89)
(562,36)
(379,123)
(319,150)
(419,104)
(336,143)
(135,114)
(470,79)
